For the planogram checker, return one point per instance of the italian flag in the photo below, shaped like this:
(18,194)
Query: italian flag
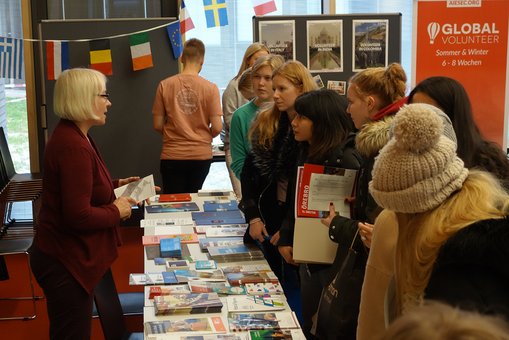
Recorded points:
(140,51)
(262,7)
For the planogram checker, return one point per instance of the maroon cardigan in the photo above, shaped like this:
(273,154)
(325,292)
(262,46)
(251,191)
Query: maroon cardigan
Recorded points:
(78,222)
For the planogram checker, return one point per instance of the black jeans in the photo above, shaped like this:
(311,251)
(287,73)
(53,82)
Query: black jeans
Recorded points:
(184,176)
(69,305)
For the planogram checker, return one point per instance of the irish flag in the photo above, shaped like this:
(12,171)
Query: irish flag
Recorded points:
(140,51)
(57,58)
(262,7)
(100,56)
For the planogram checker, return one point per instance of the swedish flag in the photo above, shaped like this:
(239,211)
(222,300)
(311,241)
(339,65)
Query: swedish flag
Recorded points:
(215,13)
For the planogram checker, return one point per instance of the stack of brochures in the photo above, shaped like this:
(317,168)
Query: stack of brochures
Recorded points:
(191,303)
(235,253)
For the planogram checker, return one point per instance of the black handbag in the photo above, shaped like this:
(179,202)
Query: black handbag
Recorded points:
(337,313)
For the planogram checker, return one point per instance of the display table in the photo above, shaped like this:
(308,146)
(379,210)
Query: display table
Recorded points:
(193,250)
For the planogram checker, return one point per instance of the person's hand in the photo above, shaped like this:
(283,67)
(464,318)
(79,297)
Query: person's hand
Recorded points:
(366,232)
(257,230)
(123,205)
(274,239)
(287,253)
(332,212)
(127,180)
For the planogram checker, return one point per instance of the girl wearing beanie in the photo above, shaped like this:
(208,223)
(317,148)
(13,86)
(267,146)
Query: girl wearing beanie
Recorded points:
(452,98)
(452,223)
(325,135)
(374,96)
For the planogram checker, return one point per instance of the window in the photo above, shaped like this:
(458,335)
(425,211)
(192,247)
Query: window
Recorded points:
(225,46)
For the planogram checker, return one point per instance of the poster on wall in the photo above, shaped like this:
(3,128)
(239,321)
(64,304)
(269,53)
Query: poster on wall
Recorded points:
(279,37)
(467,40)
(370,40)
(325,45)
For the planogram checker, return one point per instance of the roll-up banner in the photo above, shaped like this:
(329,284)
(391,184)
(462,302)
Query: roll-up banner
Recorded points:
(467,40)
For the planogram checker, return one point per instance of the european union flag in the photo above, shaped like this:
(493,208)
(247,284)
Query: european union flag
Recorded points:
(11,58)
(215,12)
(175,38)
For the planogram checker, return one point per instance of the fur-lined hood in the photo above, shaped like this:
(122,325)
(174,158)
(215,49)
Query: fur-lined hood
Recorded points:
(373,136)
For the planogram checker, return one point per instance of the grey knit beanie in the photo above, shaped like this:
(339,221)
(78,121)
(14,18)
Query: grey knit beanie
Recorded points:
(418,169)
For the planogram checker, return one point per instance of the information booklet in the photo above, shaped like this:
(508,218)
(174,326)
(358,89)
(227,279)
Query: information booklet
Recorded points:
(253,303)
(138,190)
(252,321)
(286,334)
(213,337)
(163,198)
(191,303)
(218,217)
(242,278)
(163,278)
(220,205)
(172,207)
(318,185)
(213,324)
(264,288)
(167,290)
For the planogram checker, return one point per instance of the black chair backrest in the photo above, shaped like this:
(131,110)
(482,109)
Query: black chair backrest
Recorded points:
(109,309)
(7,163)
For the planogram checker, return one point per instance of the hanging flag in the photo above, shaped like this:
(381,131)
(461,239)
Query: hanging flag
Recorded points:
(262,7)
(100,56)
(57,58)
(11,58)
(215,13)
(186,23)
(173,30)
(140,51)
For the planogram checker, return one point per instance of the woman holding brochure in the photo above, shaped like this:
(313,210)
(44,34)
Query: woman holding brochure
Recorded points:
(326,136)
(77,234)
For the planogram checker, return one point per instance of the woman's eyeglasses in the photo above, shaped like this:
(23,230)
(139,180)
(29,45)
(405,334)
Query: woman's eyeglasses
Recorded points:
(104,95)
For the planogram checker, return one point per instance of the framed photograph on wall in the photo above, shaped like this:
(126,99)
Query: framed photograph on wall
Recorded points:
(370,41)
(325,45)
(279,37)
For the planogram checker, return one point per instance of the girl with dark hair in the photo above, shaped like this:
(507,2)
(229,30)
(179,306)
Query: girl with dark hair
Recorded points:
(451,97)
(326,136)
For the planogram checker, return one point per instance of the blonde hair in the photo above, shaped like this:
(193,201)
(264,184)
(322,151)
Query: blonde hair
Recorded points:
(439,321)
(194,50)
(250,51)
(422,235)
(75,93)
(388,84)
(245,84)
(266,123)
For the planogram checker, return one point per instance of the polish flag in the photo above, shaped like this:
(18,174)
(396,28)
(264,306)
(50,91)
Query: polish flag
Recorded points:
(186,23)
(262,7)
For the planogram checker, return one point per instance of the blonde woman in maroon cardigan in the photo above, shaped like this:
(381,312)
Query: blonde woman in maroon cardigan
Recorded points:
(77,235)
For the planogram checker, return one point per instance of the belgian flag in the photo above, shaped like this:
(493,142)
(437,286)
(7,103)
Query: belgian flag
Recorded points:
(100,56)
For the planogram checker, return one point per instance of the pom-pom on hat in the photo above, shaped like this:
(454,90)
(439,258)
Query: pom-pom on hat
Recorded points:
(418,169)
